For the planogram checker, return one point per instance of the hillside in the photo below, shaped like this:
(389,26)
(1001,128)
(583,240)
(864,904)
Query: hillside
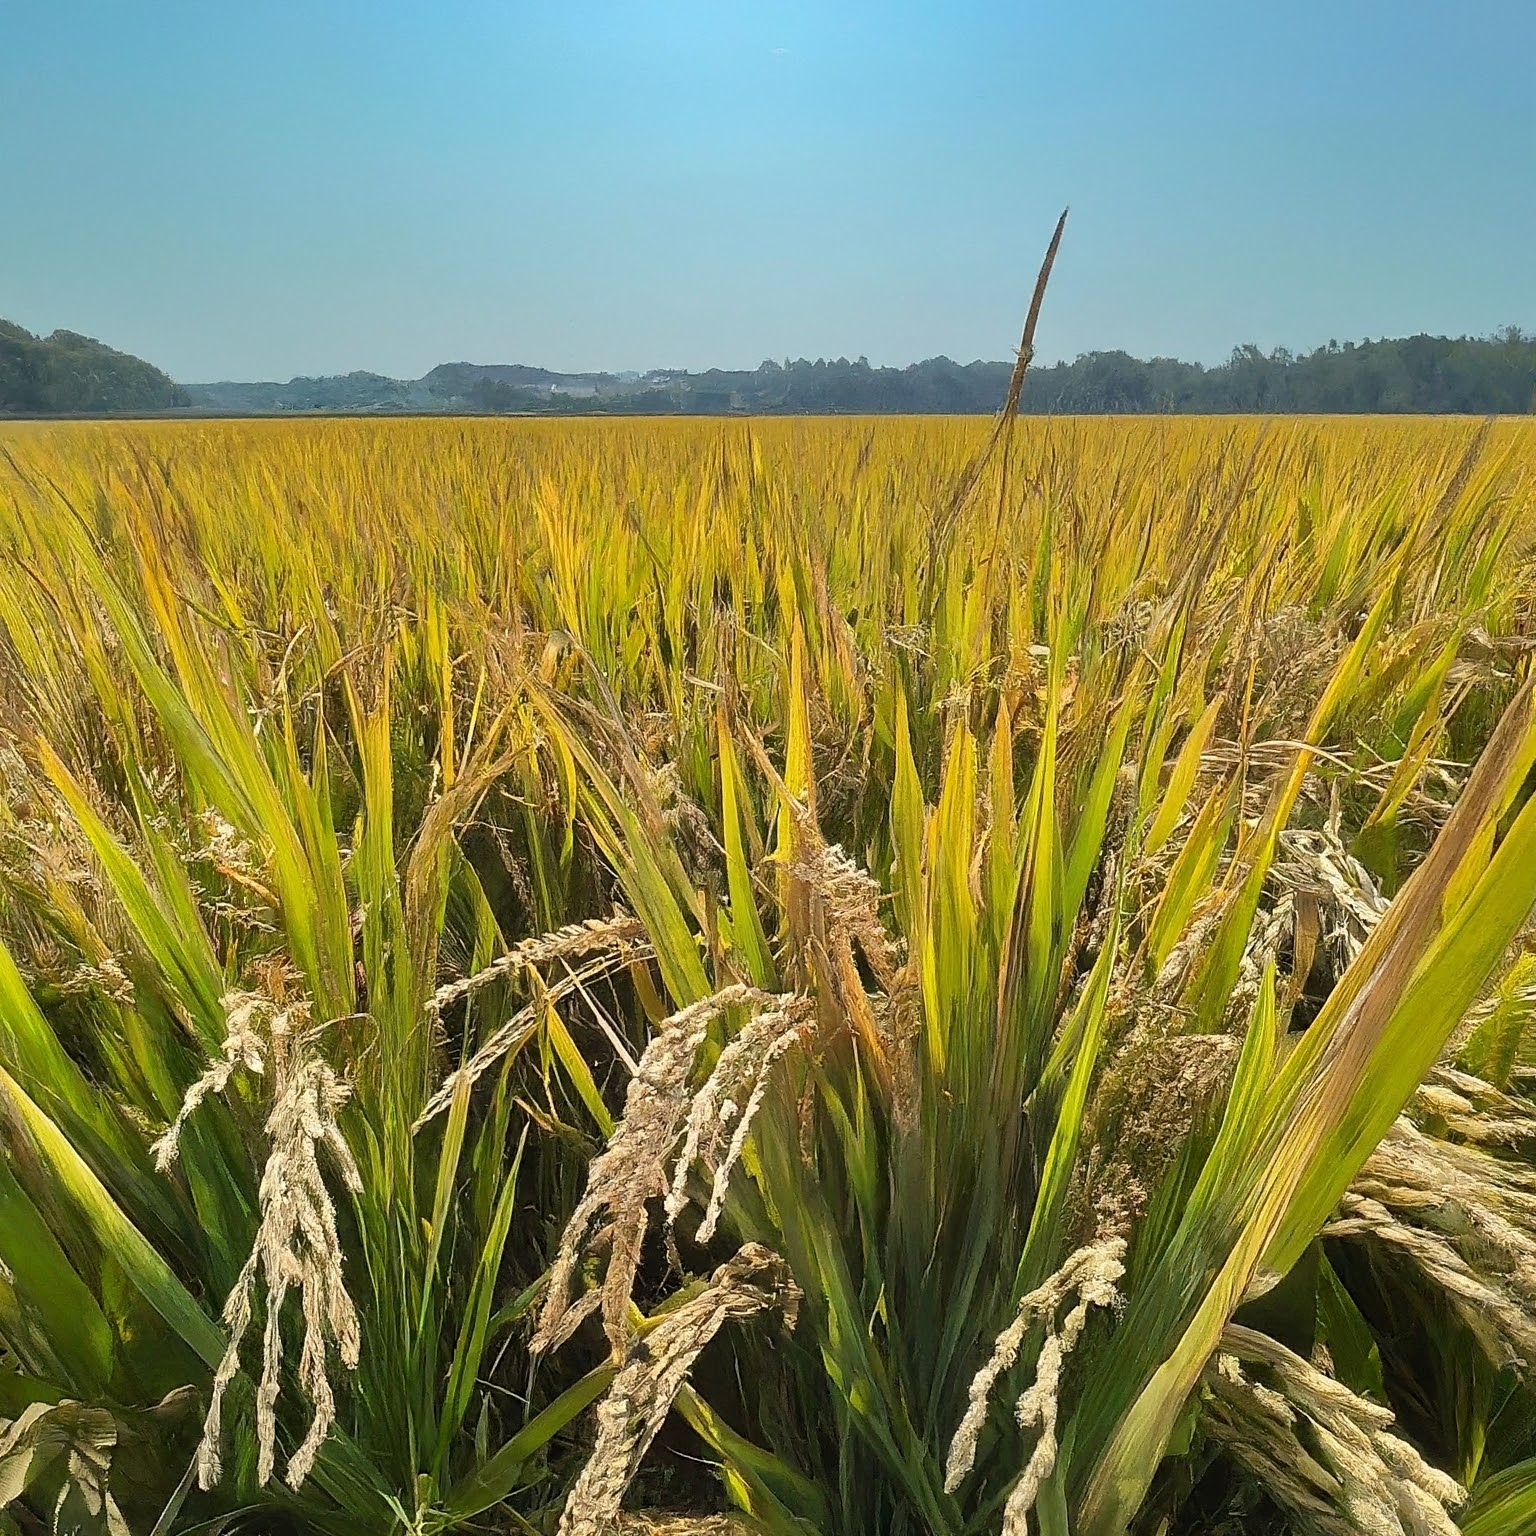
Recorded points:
(66,373)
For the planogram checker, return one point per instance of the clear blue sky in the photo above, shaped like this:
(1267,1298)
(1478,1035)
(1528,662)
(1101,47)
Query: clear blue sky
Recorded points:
(258,188)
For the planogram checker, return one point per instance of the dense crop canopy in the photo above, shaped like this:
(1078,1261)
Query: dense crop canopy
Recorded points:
(983,983)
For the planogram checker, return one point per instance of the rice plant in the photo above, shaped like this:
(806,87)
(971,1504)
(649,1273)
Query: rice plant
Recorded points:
(985,977)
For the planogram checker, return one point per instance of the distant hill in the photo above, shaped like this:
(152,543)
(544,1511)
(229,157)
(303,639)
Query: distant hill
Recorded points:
(342,392)
(66,373)
(448,387)
(1423,374)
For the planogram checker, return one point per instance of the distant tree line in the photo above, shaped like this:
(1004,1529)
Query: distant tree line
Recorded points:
(1430,374)
(1433,374)
(65,373)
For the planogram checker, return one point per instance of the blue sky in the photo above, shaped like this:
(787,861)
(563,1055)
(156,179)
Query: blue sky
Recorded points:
(302,186)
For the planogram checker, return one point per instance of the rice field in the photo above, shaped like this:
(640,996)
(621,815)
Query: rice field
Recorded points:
(876,974)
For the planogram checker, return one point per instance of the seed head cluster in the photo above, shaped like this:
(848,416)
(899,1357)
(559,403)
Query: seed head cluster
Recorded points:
(296,1247)
(1325,1454)
(1088,1278)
